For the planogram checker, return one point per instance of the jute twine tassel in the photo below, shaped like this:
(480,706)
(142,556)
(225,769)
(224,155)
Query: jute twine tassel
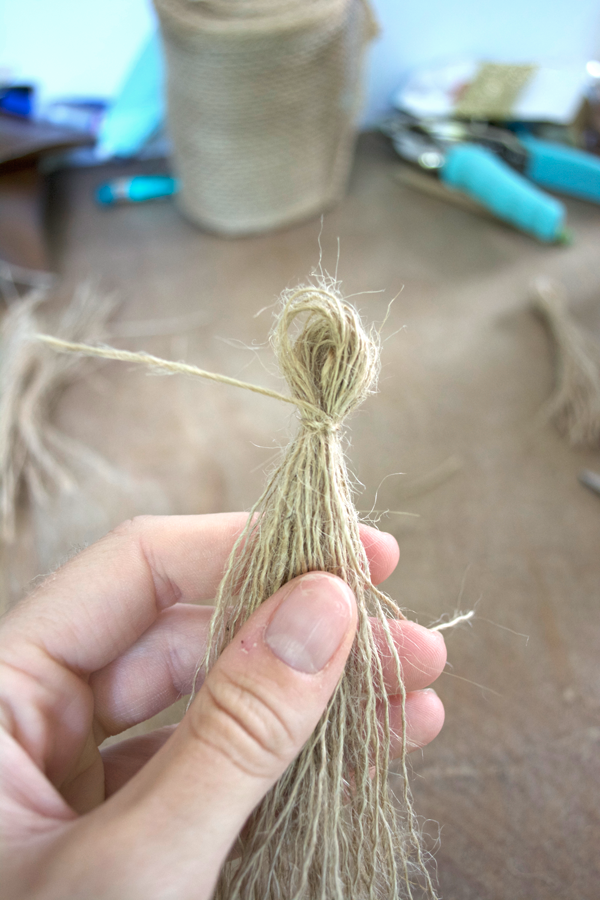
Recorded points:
(575,403)
(330,828)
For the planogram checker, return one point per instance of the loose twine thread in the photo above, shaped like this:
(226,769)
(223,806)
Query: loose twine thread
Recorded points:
(574,406)
(331,828)
(32,451)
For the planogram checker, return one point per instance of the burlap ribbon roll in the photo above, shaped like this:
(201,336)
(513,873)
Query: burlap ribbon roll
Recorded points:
(263,97)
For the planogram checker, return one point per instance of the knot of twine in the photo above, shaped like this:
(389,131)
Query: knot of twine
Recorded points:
(319,426)
(329,360)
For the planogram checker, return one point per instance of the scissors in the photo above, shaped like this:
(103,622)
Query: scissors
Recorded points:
(496,167)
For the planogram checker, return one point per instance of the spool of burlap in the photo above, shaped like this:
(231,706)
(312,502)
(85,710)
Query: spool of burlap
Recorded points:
(263,97)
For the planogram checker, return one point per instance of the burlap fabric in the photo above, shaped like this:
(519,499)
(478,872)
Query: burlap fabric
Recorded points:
(263,97)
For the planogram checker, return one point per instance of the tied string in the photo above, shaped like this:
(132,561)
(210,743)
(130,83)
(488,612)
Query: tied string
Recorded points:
(312,415)
(330,366)
(328,359)
(574,405)
(320,426)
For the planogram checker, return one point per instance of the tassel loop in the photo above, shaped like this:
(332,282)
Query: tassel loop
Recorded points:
(331,363)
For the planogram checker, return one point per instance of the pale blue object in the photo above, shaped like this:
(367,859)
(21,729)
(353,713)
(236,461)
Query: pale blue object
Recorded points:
(139,110)
(485,178)
(137,189)
(564,169)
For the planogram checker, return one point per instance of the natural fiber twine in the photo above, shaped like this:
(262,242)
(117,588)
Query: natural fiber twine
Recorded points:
(574,406)
(330,829)
(263,97)
(35,457)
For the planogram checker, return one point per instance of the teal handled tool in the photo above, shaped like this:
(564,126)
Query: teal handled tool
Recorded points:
(136,189)
(487,179)
(496,168)
(591,480)
(561,168)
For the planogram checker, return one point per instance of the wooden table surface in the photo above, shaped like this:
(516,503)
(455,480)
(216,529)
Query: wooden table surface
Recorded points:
(512,785)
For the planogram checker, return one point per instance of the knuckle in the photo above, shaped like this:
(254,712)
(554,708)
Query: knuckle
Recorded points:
(138,531)
(240,721)
(134,527)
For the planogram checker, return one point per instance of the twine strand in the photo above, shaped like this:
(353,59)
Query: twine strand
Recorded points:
(574,405)
(102,351)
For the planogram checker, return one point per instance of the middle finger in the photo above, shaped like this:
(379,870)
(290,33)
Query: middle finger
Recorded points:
(159,668)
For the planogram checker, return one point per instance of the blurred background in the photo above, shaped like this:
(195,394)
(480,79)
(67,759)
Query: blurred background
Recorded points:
(450,173)
(73,49)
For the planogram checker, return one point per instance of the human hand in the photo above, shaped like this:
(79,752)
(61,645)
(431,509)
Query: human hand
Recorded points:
(111,639)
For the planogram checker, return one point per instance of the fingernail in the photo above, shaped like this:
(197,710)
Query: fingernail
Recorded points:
(311,623)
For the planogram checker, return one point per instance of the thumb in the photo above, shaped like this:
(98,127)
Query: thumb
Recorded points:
(255,711)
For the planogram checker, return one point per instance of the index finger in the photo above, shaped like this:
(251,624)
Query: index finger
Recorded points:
(90,611)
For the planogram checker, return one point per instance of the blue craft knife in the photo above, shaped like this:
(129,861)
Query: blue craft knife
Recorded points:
(136,189)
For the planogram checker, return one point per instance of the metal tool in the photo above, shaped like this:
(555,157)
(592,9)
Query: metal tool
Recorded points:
(495,167)
(590,479)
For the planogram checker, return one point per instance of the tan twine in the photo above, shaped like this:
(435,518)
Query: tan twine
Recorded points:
(331,828)
(574,406)
(37,459)
(34,455)
(263,98)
